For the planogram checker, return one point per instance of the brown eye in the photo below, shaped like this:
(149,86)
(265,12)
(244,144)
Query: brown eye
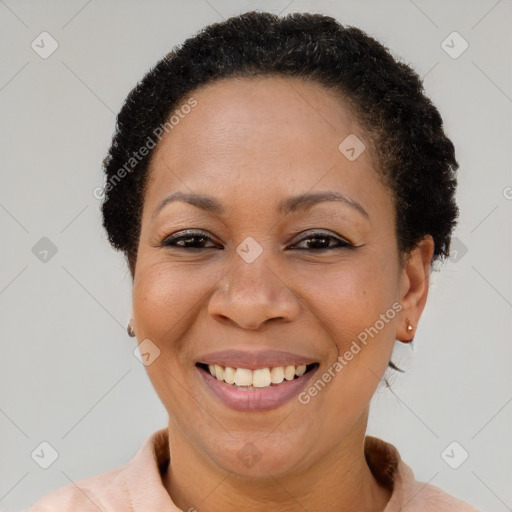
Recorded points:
(319,241)
(188,239)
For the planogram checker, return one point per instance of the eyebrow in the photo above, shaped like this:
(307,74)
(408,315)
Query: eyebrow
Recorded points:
(292,204)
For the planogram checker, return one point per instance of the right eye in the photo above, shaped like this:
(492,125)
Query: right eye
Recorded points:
(190,239)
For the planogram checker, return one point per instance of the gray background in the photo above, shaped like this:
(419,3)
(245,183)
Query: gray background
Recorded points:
(68,375)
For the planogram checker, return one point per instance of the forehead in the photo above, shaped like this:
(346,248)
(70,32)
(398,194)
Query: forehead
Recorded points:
(255,109)
(273,98)
(261,133)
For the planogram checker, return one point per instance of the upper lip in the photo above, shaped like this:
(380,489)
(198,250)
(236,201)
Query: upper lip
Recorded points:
(255,359)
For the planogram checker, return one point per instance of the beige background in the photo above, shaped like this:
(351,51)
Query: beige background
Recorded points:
(68,375)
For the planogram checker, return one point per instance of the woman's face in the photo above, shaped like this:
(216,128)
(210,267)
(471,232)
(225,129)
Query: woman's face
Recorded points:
(261,271)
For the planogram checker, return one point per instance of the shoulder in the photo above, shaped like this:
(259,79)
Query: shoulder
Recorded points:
(429,498)
(86,495)
(117,489)
(407,492)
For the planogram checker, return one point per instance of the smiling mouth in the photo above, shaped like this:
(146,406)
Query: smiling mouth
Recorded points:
(261,378)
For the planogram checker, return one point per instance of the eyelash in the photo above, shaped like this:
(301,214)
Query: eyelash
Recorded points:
(171,241)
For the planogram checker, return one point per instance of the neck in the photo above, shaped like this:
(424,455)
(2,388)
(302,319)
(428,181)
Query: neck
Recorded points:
(340,482)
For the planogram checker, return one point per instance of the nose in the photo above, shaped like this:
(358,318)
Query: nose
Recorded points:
(252,294)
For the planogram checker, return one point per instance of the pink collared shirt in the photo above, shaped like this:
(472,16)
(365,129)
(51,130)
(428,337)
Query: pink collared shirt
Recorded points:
(137,486)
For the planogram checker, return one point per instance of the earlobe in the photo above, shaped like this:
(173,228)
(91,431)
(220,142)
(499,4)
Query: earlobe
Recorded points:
(414,288)
(410,329)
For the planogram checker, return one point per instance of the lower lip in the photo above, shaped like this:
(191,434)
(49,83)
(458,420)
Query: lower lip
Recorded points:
(263,399)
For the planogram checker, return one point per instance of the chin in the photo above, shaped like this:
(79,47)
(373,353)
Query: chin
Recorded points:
(260,456)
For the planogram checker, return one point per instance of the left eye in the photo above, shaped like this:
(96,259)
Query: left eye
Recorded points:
(322,241)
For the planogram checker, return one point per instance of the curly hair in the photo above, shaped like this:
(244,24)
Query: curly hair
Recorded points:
(404,129)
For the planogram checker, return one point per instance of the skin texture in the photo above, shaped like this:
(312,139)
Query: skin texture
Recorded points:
(251,143)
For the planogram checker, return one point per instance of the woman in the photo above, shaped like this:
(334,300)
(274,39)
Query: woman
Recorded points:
(281,188)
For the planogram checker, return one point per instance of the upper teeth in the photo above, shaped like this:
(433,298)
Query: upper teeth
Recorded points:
(260,378)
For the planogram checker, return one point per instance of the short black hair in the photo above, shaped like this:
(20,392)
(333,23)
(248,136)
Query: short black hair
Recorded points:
(405,131)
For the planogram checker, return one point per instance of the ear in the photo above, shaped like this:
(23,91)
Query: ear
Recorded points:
(414,288)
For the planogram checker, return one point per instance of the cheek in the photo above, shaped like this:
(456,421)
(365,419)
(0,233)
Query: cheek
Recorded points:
(349,296)
(165,303)
(167,300)
(353,306)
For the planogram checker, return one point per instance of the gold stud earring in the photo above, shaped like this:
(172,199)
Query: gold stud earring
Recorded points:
(410,330)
